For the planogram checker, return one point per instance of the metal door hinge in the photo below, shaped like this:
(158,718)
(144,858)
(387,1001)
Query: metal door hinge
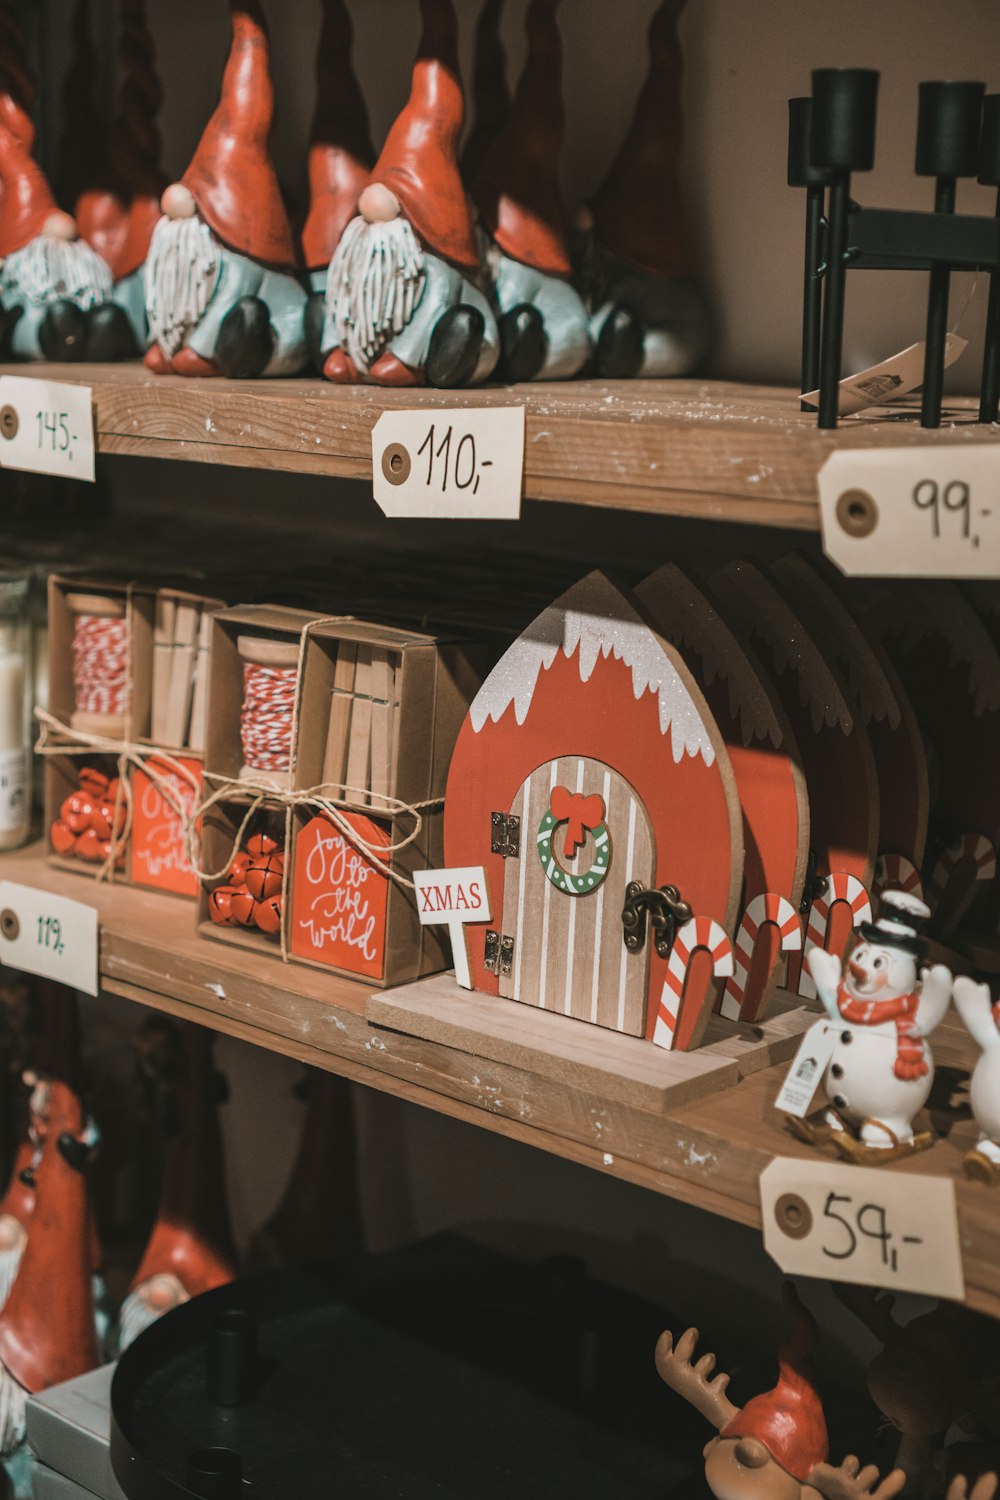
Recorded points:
(499,953)
(505,835)
(665,910)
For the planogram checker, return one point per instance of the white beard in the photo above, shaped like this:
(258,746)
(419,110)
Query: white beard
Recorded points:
(47,269)
(373,285)
(10,1264)
(181,274)
(135,1317)
(13,1398)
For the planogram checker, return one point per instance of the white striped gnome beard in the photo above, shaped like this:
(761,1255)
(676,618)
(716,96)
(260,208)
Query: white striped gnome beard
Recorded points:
(12,1242)
(48,269)
(181,274)
(373,286)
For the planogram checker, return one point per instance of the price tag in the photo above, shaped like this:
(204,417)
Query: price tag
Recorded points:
(46,427)
(815,1051)
(452,898)
(465,464)
(49,935)
(922,512)
(868,1225)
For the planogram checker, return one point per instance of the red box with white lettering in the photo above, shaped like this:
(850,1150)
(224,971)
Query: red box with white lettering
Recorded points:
(159,855)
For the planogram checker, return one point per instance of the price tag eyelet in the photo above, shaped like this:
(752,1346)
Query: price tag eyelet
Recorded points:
(396,464)
(857,513)
(9,423)
(793,1216)
(10,927)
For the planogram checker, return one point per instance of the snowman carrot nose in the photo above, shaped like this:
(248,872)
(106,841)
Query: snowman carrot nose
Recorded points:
(857,972)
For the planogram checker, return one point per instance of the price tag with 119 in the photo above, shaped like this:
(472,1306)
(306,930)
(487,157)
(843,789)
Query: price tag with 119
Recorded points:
(46,427)
(864,1225)
(49,935)
(465,463)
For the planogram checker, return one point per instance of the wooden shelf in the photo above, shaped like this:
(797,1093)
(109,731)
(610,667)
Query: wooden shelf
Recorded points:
(689,448)
(708,1152)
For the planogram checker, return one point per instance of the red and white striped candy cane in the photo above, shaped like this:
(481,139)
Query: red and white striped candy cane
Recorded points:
(700,932)
(840,887)
(974,848)
(762,909)
(894,872)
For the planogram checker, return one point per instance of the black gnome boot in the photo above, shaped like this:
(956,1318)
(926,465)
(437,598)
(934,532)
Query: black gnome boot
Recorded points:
(619,348)
(109,334)
(62,333)
(456,344)
(525,343)
(246,341)
(313,319)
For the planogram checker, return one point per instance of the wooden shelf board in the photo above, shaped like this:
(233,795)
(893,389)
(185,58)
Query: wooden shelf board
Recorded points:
(708,449)
(708,1152)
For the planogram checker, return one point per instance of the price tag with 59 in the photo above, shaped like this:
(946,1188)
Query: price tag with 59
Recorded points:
(930,511)
(863,1224)
(48,935)
(46,427)
(444,464)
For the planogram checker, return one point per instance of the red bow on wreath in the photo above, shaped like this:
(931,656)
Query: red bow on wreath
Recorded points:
(580,813)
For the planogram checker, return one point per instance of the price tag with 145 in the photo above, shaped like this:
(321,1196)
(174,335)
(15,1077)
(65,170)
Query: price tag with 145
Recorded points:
(46,427)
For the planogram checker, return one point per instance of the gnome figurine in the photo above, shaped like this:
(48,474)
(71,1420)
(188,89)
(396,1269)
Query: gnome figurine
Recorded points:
(190,1249)
(47,1323)
(648,317)
(881,1069)
(544,325)
(341,156)
(982,1021)
(775,1447)
(402,304)
(222,296)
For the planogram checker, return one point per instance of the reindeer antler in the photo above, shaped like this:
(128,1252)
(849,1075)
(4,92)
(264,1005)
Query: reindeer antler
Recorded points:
(852,1482)
(693,1382)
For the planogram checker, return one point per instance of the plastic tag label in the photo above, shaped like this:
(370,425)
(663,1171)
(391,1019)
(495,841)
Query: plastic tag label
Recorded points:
(452,898)
(891,379)
(930,511)
(808,1067)
(49,935)
(465,464)
(47,427)
(863,1224)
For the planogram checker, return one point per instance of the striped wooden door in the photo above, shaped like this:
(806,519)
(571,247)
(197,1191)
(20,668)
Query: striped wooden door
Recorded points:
(569,953)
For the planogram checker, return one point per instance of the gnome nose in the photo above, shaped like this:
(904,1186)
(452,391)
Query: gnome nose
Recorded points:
(178,202)
(60,226)
(378,204)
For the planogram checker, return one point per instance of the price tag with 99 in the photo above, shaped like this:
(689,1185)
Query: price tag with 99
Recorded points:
(863,1224)
(49,935)
(47,427)
(462,464)
(930,511)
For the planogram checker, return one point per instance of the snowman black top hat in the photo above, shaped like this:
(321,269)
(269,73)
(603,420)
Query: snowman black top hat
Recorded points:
(900,924)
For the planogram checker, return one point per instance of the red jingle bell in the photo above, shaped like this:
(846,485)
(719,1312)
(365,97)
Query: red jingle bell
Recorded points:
(267,915)
(88,847)
(63,838)
(242,905)
(100,822)
(76,812)
(220,907)
(111,791)
(263,879)
(238,869)
(261,845)
(93,781)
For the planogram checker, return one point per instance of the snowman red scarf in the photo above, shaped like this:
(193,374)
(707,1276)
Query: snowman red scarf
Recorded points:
(910,1060)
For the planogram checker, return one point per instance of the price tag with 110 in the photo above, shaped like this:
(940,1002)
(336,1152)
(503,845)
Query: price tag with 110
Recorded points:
(465,463)
(49,935)
(47,427)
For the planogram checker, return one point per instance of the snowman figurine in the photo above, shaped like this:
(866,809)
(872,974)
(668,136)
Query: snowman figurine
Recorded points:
(881,1069)
(982,1021)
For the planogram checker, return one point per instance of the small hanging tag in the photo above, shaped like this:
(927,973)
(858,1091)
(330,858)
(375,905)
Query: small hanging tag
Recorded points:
(808,1066)
(49,935)
(453,898)
(894,377)
(465,464)
(47,427)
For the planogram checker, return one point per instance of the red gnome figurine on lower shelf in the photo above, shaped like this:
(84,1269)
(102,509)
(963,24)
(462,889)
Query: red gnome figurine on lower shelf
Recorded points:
(775,1447)
(47,1324)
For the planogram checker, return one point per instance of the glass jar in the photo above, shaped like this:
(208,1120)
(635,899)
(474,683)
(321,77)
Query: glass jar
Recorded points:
(15,709)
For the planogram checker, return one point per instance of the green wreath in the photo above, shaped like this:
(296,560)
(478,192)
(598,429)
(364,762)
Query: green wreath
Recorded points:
(574,885)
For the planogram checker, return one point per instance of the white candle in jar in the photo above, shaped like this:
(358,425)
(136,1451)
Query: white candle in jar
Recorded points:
(12,685)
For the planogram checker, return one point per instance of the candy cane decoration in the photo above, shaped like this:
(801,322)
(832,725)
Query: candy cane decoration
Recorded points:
(700,932)
(894,872)
(762,909)
(839,887)
(971,847)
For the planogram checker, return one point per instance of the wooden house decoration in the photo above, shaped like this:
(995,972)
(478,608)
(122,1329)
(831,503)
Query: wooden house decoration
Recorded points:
(589,774)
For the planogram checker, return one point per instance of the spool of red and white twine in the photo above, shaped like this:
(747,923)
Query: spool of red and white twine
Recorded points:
(100,664)
(270,672)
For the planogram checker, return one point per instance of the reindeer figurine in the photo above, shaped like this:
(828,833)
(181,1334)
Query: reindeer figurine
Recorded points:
(775,1447)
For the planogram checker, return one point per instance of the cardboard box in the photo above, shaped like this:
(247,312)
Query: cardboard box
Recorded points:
(62,781)
(179,669)
(218,835)
(137,607)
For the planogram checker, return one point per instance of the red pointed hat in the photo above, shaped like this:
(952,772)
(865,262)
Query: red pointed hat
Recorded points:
(638,213)
(340,151)
(231,175)
(789,1420)
(47,1323)
(419,161)
(191,1238)
(518,191)
(26,200)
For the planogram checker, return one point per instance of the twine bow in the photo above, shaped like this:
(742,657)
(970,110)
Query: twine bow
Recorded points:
(581,815)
